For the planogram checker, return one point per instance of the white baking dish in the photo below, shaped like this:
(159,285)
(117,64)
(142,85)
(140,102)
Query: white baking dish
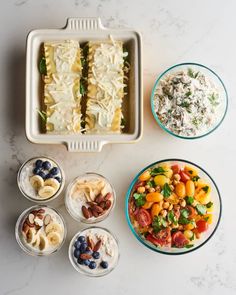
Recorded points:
(84,29)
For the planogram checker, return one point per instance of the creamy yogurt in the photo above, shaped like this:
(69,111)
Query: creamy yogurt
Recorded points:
(83,192)
(40,230)
(26,173)
(108,252)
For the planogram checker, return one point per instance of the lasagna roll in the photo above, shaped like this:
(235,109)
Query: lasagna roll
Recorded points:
(105,87)
(62,87)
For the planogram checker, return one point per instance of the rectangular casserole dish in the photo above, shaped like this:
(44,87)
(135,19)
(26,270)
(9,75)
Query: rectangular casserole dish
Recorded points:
(84,30)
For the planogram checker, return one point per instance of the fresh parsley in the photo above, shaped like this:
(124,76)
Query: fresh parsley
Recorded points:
(151,183)
(192,74)
(140,199)
(166,190)
(42,66)
(158,223)
(171,217)
(184,213)
(183,219)
(209,205)
(195,178)
(82,89)
(189,200)
(123,121)
(206,218)
(185,104)
(206,188)
(192,238)
(213,98)
(201,209)
(189,246)
(189,93)
(157,170)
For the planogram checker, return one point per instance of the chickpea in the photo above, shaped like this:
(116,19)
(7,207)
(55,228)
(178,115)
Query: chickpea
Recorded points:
(194,204)
(175,182)
(147,187)
(158,188)
(172,187)
(175,225)
(166,205)
(141,189)
(180,227)
(163,213)
(177,177)
(151,178)
(170,207)
(151,190)
(183,203)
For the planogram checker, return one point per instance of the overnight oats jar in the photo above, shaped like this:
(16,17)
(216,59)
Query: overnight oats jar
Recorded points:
(40,230)
(90,198)
(40,179)
(94,251)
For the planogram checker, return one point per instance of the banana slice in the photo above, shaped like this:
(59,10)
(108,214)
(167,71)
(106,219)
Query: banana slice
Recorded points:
(42,243)
(53,238)
(53,227)
(46,192)
(37,182)
(31,235)
(52,182)
(36,242)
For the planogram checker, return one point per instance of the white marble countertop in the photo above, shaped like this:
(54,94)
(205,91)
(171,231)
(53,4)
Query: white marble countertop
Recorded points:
(173,31)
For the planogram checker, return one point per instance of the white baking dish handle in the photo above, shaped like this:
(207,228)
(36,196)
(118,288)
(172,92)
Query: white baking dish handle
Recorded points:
(85,145)
(84,23)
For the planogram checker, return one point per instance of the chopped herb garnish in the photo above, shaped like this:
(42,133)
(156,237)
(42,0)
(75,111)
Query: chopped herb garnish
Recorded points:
(158,223)
(43,115)
(195,178)
(189,246)
(171,217)
(42,66)
(189,200)
(82,89)
(206,218)
(192,238)
(183,219)
(205,188)
(123,122)
(192,74)
(209,205)
(185,104)
(166,190)
(213,99)
(201,209)
(184,213)
(188,93)
(151,183)
(140,199)
(157,170)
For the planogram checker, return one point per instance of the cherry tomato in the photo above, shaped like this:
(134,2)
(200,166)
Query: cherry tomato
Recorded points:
(175,168)
(143,217)
(191,211)
(162,238)
(184,176)
(202,226)
(179,240)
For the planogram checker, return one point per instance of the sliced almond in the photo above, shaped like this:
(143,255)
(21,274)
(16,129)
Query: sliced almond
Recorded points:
(97,208)
(108,204)
(99,198)
(85,256)
(86,212)
(107,196)
(38,221)
(47,219)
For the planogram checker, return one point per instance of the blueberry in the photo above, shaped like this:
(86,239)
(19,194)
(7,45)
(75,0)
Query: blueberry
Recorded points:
(88,251)
(48,176)
(77,253)
(104,264)
(36,170)
(80,261)
(77,244)
(42,174)
(39,163)
(86,262)
(92,264)
(46,165)
(96,255)
(58,179)
(54,171)
(81,239)
(83,247)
